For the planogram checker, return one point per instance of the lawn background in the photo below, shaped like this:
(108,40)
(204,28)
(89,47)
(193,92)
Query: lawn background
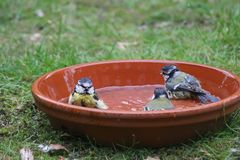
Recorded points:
(80,31)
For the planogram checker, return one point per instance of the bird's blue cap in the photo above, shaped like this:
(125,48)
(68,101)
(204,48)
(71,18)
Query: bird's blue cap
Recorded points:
(167,69)
(159,91)
(85,80)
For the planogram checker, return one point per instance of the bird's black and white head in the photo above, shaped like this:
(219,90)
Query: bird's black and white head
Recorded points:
(168,70)
(84,86)
(160,92)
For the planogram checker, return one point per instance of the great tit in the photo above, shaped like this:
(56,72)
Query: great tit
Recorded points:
(181,85)
(159,101)
(84,95)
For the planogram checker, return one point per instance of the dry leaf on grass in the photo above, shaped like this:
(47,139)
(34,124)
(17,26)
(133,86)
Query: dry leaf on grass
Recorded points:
(20,107)
(4,157)
(143,27)
(35,37)
(163,24)
(124,45)
(39,13)
(26,154)
(61,158)
(52,148)
(152,158)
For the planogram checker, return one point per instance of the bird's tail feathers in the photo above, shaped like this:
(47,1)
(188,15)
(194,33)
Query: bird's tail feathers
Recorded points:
(207,97)
(147,109)
(101,105)
(70,99)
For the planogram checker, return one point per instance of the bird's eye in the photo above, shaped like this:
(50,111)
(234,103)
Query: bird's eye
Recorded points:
(86,87)
(82,86)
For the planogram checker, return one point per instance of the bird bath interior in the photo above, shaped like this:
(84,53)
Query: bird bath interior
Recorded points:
(133,98)
(126,86)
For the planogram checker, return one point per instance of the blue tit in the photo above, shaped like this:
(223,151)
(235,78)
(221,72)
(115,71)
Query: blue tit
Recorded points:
(181,85)
(84,95)
(159,101)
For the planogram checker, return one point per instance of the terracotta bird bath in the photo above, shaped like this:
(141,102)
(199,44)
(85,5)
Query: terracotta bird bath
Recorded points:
(126,86)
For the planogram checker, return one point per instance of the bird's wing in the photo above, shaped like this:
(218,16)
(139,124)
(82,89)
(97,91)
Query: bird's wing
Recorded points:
(192,81)
(190,84)
(95,96)
(99,103)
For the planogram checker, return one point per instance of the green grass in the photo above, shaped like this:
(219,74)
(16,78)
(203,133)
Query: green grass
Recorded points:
(74,32)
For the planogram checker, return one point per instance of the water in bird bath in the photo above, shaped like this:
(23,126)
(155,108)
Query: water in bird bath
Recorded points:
(133,98)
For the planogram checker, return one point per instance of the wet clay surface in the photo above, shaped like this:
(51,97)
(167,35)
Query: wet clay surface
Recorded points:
(134,98)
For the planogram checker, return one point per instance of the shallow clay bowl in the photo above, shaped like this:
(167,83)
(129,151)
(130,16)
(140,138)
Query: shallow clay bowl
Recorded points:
(126,86)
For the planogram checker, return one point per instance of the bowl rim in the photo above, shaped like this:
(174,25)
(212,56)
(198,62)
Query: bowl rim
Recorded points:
(64,107)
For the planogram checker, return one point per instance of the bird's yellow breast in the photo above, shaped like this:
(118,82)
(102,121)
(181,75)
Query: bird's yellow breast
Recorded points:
(82,100)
